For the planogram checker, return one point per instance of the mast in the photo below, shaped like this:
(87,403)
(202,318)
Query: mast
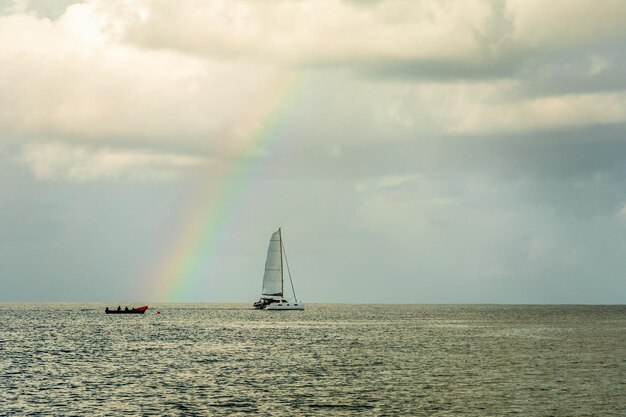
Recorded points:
(287,263)
(282,283)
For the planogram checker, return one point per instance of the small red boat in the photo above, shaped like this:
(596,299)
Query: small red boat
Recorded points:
(119,310)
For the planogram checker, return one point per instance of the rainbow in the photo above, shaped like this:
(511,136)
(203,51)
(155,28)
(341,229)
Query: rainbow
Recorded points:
(201,224)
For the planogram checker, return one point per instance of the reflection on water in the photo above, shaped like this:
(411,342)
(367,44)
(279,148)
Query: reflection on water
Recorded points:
(70,359)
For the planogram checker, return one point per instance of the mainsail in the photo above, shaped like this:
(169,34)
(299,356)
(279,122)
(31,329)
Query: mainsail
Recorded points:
(273,277)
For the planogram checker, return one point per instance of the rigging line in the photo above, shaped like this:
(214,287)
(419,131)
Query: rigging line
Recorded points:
(288,271)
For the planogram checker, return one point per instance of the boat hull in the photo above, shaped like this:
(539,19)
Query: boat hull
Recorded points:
(140,310)
(285,306)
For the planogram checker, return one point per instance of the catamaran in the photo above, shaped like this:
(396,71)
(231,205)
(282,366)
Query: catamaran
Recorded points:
(272,297)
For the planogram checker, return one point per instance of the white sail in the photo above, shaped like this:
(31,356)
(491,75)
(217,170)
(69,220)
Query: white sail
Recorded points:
(273,277)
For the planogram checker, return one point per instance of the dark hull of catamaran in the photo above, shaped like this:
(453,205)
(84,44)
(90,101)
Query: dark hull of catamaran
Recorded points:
(263,303)
(273,304)
(140,310)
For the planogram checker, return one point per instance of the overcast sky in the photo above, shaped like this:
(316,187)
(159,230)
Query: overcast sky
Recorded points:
(413,151)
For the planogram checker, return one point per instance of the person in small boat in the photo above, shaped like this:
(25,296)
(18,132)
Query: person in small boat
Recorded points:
(106,310)
(126,308)
(119,308)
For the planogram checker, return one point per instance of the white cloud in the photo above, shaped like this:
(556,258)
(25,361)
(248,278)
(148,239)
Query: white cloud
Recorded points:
(491,107)
(598,65)
(622,211)
(17,6)
(335,151)
(543,113)
(56,161)
(308,30)
(395,180)
(67,80)
(403,204)
(473,32)
(539,23)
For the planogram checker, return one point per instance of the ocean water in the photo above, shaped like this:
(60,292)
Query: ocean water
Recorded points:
(330,360)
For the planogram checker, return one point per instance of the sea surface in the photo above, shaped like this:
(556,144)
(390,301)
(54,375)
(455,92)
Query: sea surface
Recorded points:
(330,360)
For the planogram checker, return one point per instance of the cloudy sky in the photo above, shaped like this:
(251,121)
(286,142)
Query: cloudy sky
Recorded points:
(413,151)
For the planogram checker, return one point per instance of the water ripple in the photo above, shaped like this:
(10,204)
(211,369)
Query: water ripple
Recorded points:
(336,360)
